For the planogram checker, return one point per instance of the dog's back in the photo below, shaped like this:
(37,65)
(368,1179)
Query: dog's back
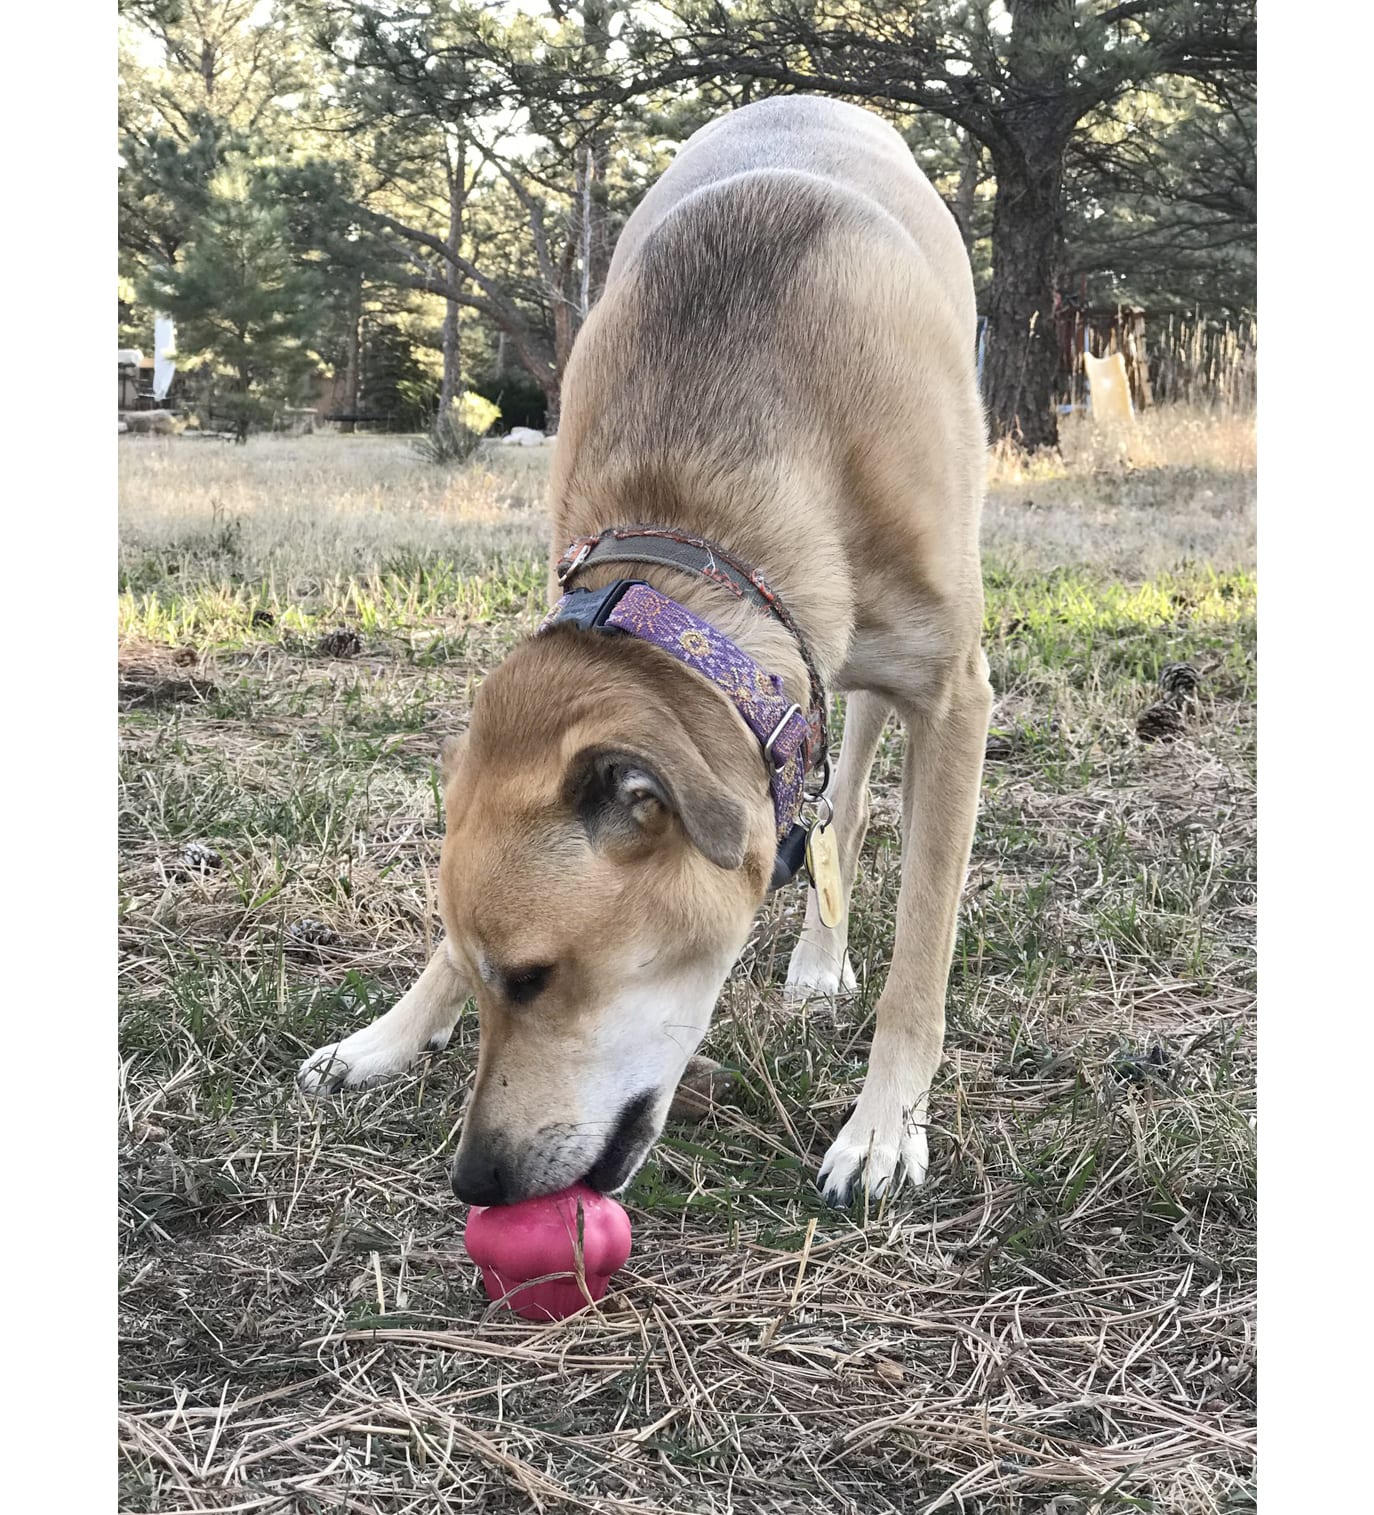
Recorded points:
(784,359)
(853,151)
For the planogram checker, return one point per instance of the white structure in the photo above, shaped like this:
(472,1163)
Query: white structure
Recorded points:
(164,356)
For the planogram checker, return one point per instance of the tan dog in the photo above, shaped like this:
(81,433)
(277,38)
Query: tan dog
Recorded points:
(783,363)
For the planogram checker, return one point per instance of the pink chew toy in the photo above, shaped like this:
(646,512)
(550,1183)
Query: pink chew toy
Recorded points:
(513,1244)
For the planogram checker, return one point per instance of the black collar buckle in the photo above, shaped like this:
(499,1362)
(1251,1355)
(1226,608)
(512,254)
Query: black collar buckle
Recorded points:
(588,609)
(791,856)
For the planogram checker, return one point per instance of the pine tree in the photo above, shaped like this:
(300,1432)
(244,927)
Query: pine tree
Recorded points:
(246,311)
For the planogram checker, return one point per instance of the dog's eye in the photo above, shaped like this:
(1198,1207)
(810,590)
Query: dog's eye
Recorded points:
(526,984)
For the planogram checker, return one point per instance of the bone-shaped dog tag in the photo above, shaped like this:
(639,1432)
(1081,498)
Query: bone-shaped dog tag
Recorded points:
(823,864)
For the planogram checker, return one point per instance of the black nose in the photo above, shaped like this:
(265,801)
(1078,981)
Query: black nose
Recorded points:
(478,1179)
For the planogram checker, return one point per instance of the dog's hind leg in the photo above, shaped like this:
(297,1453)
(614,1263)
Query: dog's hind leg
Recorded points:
(884,1140)
(422,1020)
(820,961)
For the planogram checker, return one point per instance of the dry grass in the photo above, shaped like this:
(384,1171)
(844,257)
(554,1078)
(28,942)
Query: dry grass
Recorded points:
(1178,485)
(1173,437)
(307,508)
(1062,1319)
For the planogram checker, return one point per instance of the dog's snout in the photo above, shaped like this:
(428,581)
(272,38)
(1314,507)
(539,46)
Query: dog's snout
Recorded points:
(478,1178)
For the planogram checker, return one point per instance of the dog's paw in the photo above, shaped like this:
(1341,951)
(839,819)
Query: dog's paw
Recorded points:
(358,1060)
(818,970)
(874,1154)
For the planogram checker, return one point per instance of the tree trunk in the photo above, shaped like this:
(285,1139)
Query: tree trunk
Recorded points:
(598,241)
(1022,362)
(553,401)
(452,384)
(970,176)
(352,365)
(584,195)
(564,305)
(1027,223)
(245,390)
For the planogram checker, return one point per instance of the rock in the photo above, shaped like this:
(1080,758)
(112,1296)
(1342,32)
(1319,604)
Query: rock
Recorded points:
(522,436)
(123,427)
(703,1085)
(160,423)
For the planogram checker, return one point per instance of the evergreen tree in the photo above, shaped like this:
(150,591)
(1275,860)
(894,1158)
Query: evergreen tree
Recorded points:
(1161,198)
(246,310)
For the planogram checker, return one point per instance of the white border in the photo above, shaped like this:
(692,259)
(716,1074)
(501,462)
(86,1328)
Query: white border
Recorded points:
(1316,602)
(1317,388)
(57,440)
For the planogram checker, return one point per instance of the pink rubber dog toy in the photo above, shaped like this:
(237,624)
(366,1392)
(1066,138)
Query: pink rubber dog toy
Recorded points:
(515,1243)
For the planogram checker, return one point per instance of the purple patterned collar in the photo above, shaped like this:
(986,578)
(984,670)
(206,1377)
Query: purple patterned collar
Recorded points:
(782,728)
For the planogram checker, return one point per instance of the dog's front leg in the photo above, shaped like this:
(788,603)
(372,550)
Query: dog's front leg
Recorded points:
(421,1020)
(820,967)
(884,1141)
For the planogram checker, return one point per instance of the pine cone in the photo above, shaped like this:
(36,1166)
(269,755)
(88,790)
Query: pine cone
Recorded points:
(195,862)
(999,747)
(1141,1067)
(1180,683)
(1160,722)
(312,933)
(341,643)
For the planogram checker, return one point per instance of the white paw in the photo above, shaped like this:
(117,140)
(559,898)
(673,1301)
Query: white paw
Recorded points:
(876,1153)
(360,1059)
(819,969)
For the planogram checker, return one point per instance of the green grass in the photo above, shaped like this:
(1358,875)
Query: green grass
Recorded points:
(1064,1311)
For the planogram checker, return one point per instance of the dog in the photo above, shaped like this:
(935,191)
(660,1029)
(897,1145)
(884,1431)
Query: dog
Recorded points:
(772,415)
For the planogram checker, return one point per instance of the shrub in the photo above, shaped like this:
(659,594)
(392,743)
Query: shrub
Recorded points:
(448,442)
(477,413)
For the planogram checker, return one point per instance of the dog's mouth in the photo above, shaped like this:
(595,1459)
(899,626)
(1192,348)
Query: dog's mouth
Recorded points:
(627,1146)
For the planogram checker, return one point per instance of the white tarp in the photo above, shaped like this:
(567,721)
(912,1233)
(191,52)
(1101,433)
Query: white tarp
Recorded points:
(164,355)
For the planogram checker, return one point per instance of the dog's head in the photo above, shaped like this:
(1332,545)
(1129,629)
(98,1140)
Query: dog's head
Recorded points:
(610,836)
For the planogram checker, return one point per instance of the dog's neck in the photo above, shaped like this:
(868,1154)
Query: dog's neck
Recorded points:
(751,628)
(722,507)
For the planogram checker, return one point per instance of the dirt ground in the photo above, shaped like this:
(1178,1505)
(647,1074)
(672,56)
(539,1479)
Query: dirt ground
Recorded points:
(1061,1319)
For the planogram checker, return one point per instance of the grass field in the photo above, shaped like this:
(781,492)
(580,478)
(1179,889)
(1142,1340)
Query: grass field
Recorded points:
(1062,1319)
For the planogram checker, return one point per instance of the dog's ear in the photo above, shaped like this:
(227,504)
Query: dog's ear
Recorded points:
(450,755)
(627,796)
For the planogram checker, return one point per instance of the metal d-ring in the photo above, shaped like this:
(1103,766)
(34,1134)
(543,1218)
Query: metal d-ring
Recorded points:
(777,732)
(566,570)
